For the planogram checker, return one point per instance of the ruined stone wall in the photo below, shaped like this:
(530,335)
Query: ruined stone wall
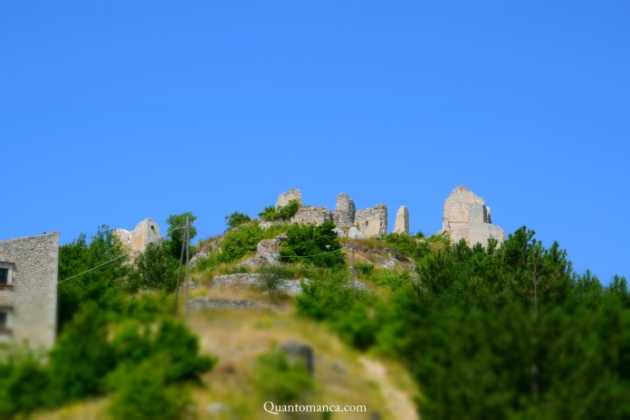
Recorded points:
(310,215)
(30,299)
(146,232)
(285,198)
(345,211)
(467,217)
(372,222)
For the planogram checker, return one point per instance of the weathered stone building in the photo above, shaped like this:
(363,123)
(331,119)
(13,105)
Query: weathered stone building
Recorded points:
(146,232)
(467,217)
(28,290)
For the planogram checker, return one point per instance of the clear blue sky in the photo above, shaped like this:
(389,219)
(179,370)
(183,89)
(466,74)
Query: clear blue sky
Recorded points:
(112,111)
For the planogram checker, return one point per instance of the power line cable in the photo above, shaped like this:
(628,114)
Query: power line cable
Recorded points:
(89,270)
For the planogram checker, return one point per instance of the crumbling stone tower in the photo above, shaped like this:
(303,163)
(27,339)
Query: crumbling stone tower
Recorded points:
(345,211)
(402,220)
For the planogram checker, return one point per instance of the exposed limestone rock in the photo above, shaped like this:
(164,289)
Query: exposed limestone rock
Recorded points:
(285,198)
(402,220)
(467,217)
(309,215)
(345,211)
(267,252)
(372,222)
(136,241)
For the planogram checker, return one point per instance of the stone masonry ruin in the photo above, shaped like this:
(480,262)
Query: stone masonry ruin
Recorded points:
(402,220)
(28,290)
(135,241)
(350,222)
(466,216)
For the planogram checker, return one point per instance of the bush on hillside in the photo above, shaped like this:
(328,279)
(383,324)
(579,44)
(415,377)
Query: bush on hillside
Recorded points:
(156,268)
(141,392)
(103,286)
(236,219)
(22,380)
(310,244)
(281,380)
(284,213)
(176,234)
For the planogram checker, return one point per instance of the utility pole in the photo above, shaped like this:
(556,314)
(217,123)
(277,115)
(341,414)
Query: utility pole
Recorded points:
(187,244)
(182,278)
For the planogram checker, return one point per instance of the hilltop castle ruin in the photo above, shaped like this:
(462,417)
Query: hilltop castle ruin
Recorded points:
(351,223)
(466,217)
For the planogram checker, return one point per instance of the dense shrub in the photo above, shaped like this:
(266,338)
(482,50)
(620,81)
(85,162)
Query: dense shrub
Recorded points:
(103,286)
(141,392)
(236,219)
(281,380)
(272,214)
(413,247)
(156,268)
(81,357)
(331,298)
(22,381)
(309,244)
(177,231)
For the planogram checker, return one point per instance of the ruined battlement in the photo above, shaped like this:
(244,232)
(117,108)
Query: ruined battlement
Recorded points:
(465,217)
(351,222)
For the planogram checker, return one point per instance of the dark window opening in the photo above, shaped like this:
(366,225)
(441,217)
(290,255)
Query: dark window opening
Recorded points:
(4,276)
(4,316)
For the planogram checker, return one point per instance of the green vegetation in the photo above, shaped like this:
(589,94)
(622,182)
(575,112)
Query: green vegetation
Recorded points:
(316,245)
(281,380)
(156,269)
(142,393)
(177,232)
(238,242)
(112,340)
(236,219)
(502,332)
(284,213)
